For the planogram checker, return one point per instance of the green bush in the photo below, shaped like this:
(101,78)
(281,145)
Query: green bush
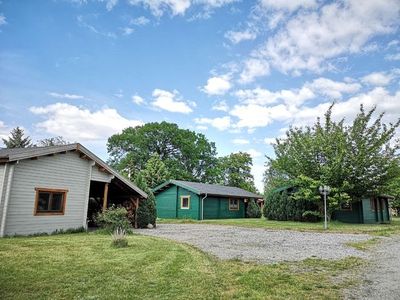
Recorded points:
(311,216)
(253,210)
(282,206)
(114,218)
(146,213)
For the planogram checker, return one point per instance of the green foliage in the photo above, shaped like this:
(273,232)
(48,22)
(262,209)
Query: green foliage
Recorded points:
(146,213)
(282,206)
(253,210)
(186,154)
(114,218)
(355,160)
(119,239)
(53,141)
(311,216)
(17,139)
(155,172)
(235,170)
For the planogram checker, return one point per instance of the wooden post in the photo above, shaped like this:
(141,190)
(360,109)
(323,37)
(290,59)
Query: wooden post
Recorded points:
(105,197)
(136,209)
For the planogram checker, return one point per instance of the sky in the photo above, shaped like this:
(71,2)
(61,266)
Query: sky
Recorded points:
(241,72)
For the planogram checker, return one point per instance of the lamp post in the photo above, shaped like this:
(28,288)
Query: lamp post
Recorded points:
(324,190)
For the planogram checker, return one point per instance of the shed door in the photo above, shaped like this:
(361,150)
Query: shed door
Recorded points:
(211,207)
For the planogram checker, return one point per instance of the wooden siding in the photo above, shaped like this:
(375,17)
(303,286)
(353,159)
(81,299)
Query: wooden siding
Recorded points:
(63,171)
(218,208)
(166,203)
(3,184)
(98,175)
(355,215)
(194,208)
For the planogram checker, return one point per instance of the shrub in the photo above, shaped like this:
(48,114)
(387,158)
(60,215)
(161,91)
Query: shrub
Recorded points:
(311,216)
(114,218)
(253,210)
(146,213)
(119,239)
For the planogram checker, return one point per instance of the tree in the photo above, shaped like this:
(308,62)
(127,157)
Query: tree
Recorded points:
(356,160)
(253,210)
(146,213)
(155,172)
(53,141)
(235,170)
(17,139)
(186,154)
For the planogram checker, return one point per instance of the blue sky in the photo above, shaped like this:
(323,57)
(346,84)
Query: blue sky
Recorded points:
(241,72)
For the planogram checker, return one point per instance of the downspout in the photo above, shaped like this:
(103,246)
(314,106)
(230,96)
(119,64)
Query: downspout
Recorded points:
(7,199)
(202,206)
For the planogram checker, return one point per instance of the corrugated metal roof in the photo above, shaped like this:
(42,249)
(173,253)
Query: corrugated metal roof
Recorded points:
(210,189)
(14,154)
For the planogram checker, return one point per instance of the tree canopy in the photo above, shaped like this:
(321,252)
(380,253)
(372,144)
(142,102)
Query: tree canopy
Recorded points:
(52,141)
(356,159)
(186,154)
(17,139)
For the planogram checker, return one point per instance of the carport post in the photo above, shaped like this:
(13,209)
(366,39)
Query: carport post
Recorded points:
(105,196)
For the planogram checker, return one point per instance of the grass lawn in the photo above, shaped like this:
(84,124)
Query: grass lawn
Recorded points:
(334,226)
(85,266)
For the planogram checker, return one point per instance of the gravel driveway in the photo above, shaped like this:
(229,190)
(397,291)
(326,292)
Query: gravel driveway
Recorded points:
(260,245)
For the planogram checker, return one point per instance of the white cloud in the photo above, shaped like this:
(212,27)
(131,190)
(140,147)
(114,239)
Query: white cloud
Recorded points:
(393,56)
(4,131)
(254,153)
(253,68)
(217,85)
(2,19)
(221,106)
(139,21)
(65,96)
(170,101)
(80,124)
(127,30)
(333,89)
(239,36)
(310,39)
(222,123)
(240,141)
(288,5)
(137,99)
(110,4)
(119,94)
(380,78)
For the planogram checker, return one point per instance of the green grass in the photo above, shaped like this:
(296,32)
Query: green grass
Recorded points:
(334,226)
(86,266)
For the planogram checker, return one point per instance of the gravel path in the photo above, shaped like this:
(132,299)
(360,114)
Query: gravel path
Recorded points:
(260,245)
(381,279)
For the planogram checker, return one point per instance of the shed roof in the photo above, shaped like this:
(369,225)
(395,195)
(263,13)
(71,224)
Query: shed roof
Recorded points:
(209,189)
(15,154)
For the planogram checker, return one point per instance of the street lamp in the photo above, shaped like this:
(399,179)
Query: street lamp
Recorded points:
(324,190)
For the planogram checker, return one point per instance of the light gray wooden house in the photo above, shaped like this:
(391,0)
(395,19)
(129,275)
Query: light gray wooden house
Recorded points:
(44,189)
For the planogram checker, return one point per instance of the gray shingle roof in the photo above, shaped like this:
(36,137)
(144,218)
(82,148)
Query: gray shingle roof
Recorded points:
(210,189)
(14,154)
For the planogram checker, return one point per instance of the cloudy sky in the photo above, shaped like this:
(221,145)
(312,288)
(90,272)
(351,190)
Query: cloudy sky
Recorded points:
(241,72)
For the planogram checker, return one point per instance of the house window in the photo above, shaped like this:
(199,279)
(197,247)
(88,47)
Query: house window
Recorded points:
(185,202)
(346,206)
(50,201)
(233,204)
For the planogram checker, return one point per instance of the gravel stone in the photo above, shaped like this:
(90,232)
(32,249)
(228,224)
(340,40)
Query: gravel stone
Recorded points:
(260,245)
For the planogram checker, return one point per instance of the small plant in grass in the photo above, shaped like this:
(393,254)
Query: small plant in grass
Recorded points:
(119,239)
(114,218)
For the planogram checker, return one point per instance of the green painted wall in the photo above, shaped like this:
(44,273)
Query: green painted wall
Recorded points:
(166,203)
(355,215)
(218,208)
(194,207)
(379,215)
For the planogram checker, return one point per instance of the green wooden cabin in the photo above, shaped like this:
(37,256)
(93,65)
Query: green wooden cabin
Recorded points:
(178,199)
(367,210)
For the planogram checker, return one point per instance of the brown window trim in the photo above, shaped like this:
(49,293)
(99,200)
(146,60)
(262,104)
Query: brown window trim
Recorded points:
(48,190)
(229,204)
(188,197)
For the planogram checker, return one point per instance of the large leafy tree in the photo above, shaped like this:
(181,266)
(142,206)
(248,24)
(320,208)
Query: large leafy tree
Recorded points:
(235,170)
(52,141)
(17,139)
(155,171)
(356,160)
(186,154)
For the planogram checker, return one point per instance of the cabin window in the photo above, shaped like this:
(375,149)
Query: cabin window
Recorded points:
(346,206)
(185,202)
(233,204)
(50,201)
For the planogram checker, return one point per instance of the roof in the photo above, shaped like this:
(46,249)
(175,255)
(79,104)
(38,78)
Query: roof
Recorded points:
(209,189)
(15,154)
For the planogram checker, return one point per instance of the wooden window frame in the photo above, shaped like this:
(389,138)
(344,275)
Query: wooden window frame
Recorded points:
(238,204)
(49,213)
(188,206)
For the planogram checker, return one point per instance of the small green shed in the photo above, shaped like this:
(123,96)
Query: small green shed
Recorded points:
(177,199)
